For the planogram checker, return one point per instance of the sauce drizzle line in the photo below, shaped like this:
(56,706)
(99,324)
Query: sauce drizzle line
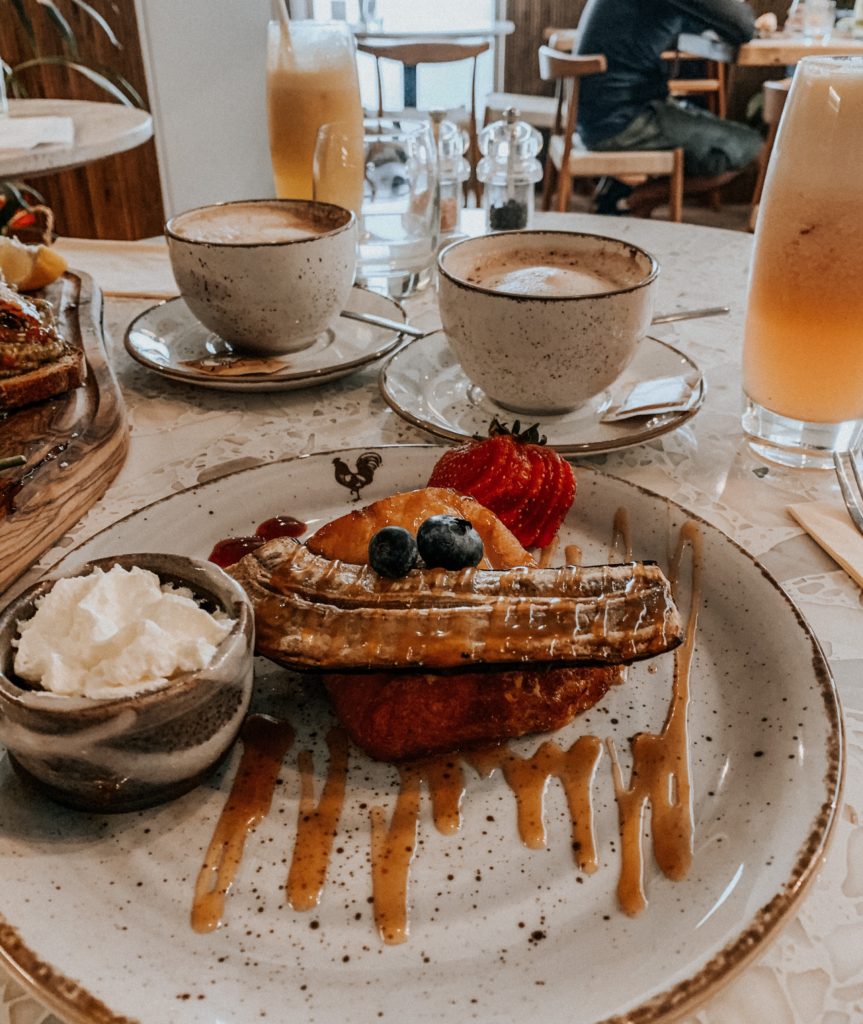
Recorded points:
(265,743)
(393,848)
(317,825)
(660,765)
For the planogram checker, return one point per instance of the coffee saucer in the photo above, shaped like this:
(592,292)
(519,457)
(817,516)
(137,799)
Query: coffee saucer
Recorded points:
(171,341)
(424,383)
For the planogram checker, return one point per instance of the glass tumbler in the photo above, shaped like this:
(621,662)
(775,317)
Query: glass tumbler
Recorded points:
(311,80)
(399,218)
(803,341)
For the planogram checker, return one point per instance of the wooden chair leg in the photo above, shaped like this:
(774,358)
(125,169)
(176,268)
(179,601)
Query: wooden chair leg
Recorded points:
(548,183)
(675,188)
(564,188)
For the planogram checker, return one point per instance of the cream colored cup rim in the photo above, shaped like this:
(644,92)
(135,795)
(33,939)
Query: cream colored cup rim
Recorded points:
(521,296)
(287,203)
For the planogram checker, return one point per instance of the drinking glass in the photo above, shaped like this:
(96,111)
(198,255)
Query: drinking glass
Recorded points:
(311,80)
(398,206)
(819,17)
(803,341)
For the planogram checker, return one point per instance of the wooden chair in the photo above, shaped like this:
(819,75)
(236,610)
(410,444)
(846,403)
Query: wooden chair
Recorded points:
(413,53)
(567,157)
(714,87)
(775,94)
(538,111)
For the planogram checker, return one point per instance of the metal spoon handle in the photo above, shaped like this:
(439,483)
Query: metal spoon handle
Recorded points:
(382,321)
(690,314)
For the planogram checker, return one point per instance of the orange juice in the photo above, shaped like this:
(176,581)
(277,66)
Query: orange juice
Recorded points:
(311,81)
(803,349)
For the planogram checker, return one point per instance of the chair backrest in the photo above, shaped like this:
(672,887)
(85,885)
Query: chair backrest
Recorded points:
(411,53)
(567,70)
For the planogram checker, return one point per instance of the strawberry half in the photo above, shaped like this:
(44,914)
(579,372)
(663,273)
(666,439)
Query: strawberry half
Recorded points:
(527,485)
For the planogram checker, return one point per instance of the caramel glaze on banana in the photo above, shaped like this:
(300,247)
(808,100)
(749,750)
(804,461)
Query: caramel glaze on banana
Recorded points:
(312,613)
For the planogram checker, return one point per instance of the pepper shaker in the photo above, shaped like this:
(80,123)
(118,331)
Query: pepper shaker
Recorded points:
(453,169)
(509,170)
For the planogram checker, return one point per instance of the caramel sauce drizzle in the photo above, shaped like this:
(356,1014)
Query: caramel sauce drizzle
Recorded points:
(573,554)
(547,554)
(660,765)
(527,777)
(317,824)
(444,777)
(621,538)
(393,848)
(265,743)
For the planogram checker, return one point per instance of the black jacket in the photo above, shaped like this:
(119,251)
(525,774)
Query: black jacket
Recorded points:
(632,34)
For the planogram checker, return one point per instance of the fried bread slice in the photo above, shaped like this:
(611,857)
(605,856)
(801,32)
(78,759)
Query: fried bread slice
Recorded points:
(398,716)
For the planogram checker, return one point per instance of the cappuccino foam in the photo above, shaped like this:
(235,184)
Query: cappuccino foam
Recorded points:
(247,224)
(554,273)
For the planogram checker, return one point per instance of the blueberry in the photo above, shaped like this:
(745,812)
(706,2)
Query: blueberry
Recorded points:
(392,552)
(449,543)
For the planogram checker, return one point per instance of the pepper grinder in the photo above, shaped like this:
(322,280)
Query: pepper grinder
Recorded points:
(509,170)
(453,169)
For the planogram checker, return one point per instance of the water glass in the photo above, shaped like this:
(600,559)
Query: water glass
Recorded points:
(803,341)
(819,17)
(399,218)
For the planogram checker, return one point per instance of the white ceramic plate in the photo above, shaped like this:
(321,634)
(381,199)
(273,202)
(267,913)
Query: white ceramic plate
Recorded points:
(171,341)
(424,383)
(499,932)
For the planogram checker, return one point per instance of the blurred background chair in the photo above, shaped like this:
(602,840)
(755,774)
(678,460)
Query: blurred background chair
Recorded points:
(774,94)
(539,111)
(568,158)
(712,87)
(413,53)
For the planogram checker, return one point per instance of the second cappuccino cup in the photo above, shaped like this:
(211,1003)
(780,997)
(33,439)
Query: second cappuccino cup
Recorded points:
(543,321)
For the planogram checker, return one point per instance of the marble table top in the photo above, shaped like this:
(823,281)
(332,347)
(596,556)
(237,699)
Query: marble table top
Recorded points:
(813,971)
(101,129)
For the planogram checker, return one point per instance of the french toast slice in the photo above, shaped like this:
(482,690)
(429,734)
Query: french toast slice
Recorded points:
(396,716)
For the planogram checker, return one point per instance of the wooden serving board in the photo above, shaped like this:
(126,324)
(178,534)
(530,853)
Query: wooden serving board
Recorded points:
(75,443)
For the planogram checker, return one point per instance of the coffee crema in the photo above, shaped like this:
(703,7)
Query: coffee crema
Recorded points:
(248,224)
(554,273)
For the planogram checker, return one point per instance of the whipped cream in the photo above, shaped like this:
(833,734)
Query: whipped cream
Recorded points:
(114,634)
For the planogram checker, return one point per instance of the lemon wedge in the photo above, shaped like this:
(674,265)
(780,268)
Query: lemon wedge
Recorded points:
(28,267)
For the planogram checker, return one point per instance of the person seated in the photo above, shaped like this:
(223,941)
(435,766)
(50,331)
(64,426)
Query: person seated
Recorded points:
(628,107)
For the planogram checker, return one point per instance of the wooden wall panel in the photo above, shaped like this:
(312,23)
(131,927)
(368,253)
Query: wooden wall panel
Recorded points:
(119,196)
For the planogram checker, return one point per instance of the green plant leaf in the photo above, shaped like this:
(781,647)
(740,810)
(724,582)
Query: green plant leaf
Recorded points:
(100,21)
(26,23)
(98,78)
(62,25)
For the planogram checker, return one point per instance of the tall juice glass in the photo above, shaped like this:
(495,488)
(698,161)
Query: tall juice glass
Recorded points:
(311,80)
(803,343)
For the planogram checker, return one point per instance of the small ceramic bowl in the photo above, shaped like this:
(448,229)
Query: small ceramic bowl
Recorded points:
(124,753)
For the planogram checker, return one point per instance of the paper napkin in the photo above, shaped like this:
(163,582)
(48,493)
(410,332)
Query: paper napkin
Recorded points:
(28,132)
(831,527)
(138,270)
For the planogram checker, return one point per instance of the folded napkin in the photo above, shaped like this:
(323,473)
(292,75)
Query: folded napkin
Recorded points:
(831,527)
(139,270)
(28,132)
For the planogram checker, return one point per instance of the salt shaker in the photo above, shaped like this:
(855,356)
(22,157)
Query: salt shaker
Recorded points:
(509,170)
(453,169)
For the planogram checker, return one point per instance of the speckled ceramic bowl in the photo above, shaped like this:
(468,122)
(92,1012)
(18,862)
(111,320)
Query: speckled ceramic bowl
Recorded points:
(124,753)
(545,353)
(263,288)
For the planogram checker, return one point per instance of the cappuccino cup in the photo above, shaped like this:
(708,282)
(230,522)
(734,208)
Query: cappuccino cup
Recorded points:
(543,321)
(267,275)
